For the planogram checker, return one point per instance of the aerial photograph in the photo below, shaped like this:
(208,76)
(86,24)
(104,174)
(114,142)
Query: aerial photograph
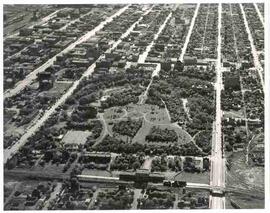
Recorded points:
(133,106)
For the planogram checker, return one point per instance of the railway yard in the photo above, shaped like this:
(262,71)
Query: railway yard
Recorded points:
(154,106)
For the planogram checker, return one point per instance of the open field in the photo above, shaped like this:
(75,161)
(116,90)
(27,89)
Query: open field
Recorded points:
(245,177)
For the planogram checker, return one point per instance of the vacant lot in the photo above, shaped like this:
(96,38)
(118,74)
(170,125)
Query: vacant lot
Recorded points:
(76,137)
(203,177)
(58,89)
(244,201)
(244,176)
(247,181)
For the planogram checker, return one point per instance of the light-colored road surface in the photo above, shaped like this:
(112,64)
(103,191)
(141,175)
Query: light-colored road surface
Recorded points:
(49,17)
(189,33)
(115,44)
(199,185)
(137,194)
(30,77)
(234,37)
(9,152)
(186,109)
(90,177)
(53,195)
(217,174)
(255,55)
(75,20)
(105,130)
(259,13)
(143,97)
(143,56)
(205,30)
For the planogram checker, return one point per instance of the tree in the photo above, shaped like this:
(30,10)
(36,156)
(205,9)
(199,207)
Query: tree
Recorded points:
(48,155)
(181,204)
(91,112)
(74,185)
(149,204)
(70,101)
(206,164)
(12,162)
(193,203)
(65,155)
(36,193)
(136,165)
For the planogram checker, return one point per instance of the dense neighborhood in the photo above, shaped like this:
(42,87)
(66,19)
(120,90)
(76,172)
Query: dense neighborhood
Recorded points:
(140,106)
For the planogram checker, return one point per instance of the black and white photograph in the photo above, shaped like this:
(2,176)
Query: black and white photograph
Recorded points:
(135,105)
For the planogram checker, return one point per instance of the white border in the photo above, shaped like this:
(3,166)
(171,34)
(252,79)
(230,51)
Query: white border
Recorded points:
(267,98)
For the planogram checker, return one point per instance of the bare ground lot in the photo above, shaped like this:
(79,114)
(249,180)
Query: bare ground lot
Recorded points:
(244,201)
(203,177)
(247,180)
(244,176)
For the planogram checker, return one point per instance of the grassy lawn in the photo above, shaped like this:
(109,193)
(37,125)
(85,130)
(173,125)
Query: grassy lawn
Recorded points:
(58,89)
(244,201)
(78,137)
(203,177)
(114,113)
(95,172)
(143,131)
(157,115)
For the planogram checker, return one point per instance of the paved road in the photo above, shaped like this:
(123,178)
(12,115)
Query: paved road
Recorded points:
(9,152)
(143,56)
(143,97)
(53,196)
(259,14)
(217,174)
(75,20)
(30,77)
(115,44)
(205,30)
(255,55)
(189,33)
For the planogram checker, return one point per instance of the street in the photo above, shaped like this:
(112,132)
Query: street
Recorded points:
(217,172)
(255,55)
(189,33)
